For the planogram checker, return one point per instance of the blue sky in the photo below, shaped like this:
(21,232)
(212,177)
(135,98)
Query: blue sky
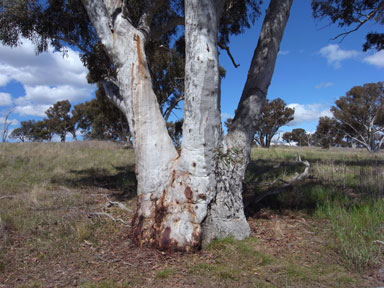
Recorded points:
(312,71)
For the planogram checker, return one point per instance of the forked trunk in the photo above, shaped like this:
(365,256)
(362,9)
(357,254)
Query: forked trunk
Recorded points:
(183,198)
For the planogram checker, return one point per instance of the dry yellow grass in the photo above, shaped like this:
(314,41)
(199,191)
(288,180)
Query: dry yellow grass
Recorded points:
(51,240)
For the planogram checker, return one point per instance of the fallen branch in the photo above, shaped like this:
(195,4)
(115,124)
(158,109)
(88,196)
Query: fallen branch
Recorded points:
(379,242)
(109,216)
(288,183)
(118,204)
(7,197)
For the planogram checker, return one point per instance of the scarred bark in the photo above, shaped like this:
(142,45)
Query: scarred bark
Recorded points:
(197,193)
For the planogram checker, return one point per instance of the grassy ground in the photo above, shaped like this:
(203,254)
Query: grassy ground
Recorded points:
(319,234)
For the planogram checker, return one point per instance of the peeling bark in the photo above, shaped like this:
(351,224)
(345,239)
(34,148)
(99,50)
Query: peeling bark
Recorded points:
(183,198)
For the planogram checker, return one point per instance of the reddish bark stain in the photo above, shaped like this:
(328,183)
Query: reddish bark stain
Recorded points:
(202,196)
(165,243)
(188,193)
(138,50)
(137,232)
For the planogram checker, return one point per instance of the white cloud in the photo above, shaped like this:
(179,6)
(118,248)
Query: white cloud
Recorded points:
(12,121)
(376,59)
(33,110)
(334,54)
(50,95)
(4,79)
(307,113)
(324,85)
(5,99)
(46,78)
(283,52)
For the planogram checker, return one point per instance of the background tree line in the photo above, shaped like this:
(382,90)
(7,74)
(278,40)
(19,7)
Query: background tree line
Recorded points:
(358,121)
(96,119)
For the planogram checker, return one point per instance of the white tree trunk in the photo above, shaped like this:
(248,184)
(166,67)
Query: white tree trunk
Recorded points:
(226,215)
(182,198)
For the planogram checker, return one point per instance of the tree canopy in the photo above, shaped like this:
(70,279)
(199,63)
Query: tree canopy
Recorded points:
(353,13)
(328,133)
(298,135)
(275,114)
(60,121)
(360,114)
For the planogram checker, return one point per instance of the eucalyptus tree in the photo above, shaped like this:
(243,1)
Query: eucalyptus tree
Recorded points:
(360,115)
(59,119)
(328,133)
(274,115)
(189,196)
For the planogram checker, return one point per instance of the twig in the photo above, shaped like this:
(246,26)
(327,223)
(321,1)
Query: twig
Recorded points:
(368,17)
(226,48)
(7,197)
(109,216)
(379,242)
(119,204)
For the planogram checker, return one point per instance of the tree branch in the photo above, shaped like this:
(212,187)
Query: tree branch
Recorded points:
(226,48)
(157,32)
(260,74)
(113,93)
(118,204)
(151,7)
(101,20)
(109,216)
(288,183)
(368,17)
(168,111)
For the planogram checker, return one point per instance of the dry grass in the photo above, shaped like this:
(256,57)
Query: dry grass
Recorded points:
(49,240)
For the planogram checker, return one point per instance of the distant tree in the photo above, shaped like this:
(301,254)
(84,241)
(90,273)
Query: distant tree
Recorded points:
(42,131)
(24,132)
(353,13)
(275,114)
(59,120)
(101,119)
(5,127)
(298,135)
(287,137)
(360,115)
(31,130)
(327,133)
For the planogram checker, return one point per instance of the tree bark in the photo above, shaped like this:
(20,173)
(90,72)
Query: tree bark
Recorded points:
(226,214)
(197,193)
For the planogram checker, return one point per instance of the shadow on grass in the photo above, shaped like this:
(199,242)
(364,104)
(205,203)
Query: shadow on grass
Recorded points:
(263,176)
(123,182)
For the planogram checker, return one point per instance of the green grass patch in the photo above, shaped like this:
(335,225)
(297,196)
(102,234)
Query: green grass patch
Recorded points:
(165,273)
(355,228)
